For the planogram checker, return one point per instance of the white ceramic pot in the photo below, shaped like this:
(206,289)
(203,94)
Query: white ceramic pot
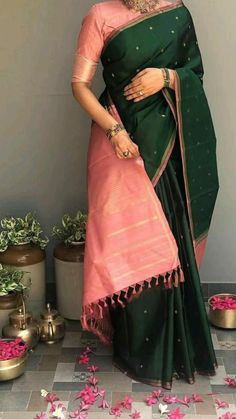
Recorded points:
(69,279)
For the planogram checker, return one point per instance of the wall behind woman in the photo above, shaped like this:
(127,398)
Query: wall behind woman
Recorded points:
(44,132)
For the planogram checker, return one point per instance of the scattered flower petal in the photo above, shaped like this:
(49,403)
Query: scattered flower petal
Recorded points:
(83,359)
(135,415)
(170,399)
(185,400)
(228,415)
(127,402)
(163,408)
(41,416)
(176,414)
(51,397)
(221,404)
(230,381)
(150,400)
(116,411)
(104,404)
(44,393)
(93,381)
(157,393)
(196,397)
(92,368)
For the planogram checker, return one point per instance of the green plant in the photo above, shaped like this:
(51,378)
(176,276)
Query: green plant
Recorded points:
(12,280)
(21,230)
(72,230)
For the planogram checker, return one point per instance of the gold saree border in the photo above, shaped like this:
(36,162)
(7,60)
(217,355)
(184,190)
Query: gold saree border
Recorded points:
(139,19)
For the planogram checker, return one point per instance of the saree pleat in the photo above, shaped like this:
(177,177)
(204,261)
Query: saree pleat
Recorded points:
(165,332)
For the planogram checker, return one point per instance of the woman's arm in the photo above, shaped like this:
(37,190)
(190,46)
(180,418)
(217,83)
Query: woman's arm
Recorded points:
(121,141)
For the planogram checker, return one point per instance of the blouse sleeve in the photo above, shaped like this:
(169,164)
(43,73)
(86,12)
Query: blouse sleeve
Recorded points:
(89,46)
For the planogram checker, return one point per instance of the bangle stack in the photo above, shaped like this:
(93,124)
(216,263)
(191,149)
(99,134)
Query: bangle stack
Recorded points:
(166,77)
(114,130)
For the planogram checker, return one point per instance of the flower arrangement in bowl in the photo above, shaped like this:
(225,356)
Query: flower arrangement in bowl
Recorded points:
(13,354)
(72,230)
(18,231)
(222,311)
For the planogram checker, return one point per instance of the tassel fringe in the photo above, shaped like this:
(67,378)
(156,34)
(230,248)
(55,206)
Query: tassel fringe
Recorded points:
(95,316)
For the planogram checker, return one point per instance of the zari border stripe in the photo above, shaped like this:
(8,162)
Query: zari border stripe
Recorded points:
(139,19)
(182,148)
(165,158)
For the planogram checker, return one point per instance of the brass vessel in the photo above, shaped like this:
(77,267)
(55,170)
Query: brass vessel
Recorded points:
(225,319)
(52,326)
(12,368)
(22,325)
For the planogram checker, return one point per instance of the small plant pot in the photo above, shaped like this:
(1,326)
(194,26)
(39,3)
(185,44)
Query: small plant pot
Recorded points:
(225,318)
(68,262)
(30,258)
(8,303)
(13,368)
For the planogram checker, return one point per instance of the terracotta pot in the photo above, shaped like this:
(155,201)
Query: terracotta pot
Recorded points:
(8,303)
(69,278)
(30,258)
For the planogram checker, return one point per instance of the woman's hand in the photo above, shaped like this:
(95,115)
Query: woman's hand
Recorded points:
(146,83)
(121,142)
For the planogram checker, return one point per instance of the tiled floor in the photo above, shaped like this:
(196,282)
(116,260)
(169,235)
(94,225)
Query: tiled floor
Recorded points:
(54,368)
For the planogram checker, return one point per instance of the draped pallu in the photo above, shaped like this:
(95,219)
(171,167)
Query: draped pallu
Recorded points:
(164,38)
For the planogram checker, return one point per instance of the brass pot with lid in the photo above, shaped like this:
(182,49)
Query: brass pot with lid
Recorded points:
(52,325)
(21,324)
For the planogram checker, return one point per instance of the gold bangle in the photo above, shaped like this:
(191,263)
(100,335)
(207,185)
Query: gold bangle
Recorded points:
(111,132)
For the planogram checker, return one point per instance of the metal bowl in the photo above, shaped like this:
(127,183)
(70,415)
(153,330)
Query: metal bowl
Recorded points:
(12,368)
(225,319)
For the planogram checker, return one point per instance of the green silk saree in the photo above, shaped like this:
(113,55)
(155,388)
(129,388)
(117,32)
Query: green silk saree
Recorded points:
(166,332)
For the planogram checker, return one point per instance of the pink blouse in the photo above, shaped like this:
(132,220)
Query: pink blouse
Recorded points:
(100,20)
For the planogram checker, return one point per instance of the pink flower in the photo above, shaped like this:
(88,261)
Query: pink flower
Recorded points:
(176,414)
(88,350)
(185,400)
(93,381)
(92,368)
(59,406)
(89,398)
(51,397)
(41,416)
(231,382)
(83,392)
(83,405)
(156,394)
(135,415)
(221,404)
(196,397)
(150,401)
(83,359)
(127,402)
(104,404)
(99,392)
(116,411)
(170,399)
(78,415)
(228,415)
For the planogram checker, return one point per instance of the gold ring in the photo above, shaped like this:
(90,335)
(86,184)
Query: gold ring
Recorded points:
(126,153)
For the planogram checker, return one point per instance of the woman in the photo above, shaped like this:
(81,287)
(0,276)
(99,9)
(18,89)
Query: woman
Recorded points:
(152,185)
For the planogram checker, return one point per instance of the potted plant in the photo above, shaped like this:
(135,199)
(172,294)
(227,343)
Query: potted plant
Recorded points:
(13,283)
(68,259)
(22,245)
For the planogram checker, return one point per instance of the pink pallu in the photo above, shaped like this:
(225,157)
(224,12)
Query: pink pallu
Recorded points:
(128,239)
